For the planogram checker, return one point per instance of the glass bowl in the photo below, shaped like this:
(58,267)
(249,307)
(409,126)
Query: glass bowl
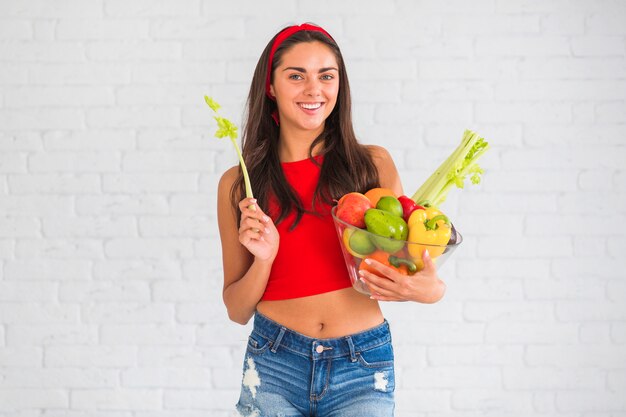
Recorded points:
(411,251)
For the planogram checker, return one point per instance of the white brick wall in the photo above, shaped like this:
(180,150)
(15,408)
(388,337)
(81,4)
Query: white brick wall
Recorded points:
(110,272)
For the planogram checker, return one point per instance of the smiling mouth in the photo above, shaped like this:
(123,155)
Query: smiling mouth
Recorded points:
(310,106)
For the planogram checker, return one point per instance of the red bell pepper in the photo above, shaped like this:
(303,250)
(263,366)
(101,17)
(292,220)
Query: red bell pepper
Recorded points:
(408,206)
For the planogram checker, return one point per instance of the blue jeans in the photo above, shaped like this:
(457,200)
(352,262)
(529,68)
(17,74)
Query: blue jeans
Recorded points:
(288,374)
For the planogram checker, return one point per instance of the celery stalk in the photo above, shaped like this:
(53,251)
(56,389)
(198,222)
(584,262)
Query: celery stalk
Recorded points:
(227,128)
(454,170)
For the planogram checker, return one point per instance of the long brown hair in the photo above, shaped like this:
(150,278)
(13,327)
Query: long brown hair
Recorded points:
(347,165)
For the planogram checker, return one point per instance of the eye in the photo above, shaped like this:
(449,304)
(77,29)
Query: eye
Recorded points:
(295,77)
(327,77)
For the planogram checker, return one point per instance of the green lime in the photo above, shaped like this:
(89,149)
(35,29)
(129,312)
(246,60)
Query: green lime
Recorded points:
(391,205)
(361,243)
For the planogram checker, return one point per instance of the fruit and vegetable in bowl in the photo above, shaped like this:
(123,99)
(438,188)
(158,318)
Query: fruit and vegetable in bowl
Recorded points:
(396,230)
(389,239)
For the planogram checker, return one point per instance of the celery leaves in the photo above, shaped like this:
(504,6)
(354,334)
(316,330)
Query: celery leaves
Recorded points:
(226,128)
(454,170)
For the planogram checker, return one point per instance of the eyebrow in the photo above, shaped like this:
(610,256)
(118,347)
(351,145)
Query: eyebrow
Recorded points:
(300,69)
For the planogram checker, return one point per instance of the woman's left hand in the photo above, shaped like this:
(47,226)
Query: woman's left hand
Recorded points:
(422,287)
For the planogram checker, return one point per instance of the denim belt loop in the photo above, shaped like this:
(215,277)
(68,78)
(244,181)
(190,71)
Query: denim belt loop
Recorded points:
(278,339)
(352,352)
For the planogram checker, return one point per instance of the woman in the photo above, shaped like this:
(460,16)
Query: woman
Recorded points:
(318,347)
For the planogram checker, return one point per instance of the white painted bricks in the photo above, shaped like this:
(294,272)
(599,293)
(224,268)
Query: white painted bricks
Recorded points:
(110,268)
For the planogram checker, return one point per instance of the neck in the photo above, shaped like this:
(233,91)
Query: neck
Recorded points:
(294,146)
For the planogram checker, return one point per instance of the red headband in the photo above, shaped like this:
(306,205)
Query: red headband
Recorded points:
(280,38)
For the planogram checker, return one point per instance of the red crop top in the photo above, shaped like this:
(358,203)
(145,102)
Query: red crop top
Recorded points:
(309,259)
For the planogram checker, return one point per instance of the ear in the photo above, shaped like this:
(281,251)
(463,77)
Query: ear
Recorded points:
(272,90)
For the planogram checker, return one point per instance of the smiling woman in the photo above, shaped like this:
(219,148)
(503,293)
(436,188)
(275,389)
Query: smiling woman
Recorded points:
(318,346)
(305,87)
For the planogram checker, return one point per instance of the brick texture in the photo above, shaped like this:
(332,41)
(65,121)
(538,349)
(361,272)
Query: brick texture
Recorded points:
(110,267)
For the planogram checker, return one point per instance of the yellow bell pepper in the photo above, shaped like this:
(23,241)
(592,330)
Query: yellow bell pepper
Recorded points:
(430,229)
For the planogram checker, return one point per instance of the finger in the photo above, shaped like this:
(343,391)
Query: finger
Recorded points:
(247,202)
(429,265)
(248,236)
(385,270)
(381,298)
(253,211)
(380,282)
(249,223)
(251,232)
(249,210)
(377,285)
(381,294)
(377,291)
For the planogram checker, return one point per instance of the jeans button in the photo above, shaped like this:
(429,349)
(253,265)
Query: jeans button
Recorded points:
(319,349)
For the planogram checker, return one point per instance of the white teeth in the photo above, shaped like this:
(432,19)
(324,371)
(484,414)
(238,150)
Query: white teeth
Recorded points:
(310,106)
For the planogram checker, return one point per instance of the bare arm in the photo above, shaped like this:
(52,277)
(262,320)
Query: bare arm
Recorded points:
(423,287)
(248,251)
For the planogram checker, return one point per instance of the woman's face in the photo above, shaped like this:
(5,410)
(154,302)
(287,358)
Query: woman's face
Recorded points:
(306,84)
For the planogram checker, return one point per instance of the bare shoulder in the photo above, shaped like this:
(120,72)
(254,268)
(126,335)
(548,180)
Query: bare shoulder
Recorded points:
(387,171)
(228,178)
(379,154)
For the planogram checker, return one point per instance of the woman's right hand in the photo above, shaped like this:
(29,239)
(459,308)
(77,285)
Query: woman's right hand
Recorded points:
(257,231)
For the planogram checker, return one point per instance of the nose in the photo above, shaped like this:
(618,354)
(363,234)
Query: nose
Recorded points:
(312,87)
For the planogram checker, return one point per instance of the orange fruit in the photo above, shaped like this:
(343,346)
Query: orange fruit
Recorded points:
(376,193)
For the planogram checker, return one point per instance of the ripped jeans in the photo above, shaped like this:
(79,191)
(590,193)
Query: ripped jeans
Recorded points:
(288,374)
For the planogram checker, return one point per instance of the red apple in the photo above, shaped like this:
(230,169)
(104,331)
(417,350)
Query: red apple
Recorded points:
(351,209)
